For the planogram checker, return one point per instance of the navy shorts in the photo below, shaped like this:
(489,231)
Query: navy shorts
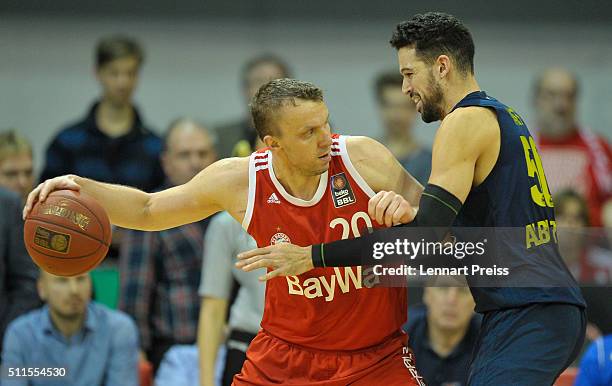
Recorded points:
(529,345)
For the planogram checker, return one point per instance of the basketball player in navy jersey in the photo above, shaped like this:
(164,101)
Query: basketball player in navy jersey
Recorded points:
(486,172)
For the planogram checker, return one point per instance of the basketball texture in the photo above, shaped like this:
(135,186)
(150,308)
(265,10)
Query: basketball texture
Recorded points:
(68,234)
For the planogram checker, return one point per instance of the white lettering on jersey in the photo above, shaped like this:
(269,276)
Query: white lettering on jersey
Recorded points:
(322,286)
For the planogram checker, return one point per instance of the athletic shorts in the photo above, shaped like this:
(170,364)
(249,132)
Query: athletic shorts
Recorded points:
(529,345)
(272,361)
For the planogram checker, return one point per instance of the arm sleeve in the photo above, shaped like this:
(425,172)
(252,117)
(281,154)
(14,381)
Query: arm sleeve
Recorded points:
(219,255)
(138,253)
(123,361)
(21,271)
(438,209)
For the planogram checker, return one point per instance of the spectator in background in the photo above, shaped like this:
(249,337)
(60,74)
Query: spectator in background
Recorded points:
(111,143)
(596,364)
(160,271)
(17,271)
(179,367)
(573,156)
(16,165)
(588,262)
(96,345)
(225,238)
(444,332)
(398,114)
(606,218)
(237,139)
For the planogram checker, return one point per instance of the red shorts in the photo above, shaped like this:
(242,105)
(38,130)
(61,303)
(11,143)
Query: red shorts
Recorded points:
(272,361)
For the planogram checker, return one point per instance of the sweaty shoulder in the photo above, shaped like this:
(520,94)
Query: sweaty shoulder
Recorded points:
(468,134)
(221,186)
(374,162)
(470,122)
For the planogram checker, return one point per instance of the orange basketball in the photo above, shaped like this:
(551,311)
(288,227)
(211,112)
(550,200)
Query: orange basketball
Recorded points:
(68,234)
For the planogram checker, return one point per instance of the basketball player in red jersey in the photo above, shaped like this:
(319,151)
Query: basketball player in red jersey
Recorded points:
(328,326)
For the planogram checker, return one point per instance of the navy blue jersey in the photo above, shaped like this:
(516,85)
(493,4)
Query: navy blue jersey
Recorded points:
(515,197)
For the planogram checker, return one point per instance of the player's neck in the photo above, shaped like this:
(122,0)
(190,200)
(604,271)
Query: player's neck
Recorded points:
(67,326)
(455,93)
(443,342)
(294,181)
(114,120)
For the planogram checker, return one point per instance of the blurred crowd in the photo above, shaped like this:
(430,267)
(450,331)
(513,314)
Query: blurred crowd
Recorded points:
(171,306)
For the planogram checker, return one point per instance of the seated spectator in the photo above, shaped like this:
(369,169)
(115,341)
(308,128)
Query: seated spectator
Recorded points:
(398,115)
(443,333)
(225,238)
(587,261)
(180,367)
(237,139)
(596,364)
(160,271)
(111,143)
(16,165)
(573,156)
(17,271)
(95,345)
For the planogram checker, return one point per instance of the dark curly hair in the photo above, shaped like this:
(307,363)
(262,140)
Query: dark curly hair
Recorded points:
(275,94)
(435,33)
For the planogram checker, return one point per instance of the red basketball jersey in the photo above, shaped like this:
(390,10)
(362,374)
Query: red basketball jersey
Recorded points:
(325,308)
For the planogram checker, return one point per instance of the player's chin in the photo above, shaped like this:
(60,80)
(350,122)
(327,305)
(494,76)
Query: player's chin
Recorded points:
(322,170)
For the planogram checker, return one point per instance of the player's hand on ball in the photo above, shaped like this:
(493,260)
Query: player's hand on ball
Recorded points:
(43,189)
(389,208)
(284,259)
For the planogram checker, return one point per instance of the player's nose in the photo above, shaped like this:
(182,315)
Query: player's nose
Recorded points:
(326,141)
(406,86)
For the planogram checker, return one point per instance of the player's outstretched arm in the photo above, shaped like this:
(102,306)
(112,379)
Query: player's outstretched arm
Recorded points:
(216,188)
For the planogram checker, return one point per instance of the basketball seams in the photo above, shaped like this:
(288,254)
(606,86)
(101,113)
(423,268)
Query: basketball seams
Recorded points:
(67,229)
(73,200)
(84,220)
(91,211)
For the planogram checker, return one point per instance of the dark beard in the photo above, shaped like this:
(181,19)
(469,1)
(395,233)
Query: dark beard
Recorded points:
(432,106)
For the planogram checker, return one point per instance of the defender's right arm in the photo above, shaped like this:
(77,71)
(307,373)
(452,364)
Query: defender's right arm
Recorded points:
(221,186)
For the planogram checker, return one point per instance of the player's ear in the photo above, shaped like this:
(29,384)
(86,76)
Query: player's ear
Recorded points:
(443,64)
(271,141)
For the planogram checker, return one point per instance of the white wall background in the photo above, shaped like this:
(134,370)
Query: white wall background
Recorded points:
(192,66)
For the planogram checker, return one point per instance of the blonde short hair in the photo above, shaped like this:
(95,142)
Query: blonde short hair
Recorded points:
(12,143)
